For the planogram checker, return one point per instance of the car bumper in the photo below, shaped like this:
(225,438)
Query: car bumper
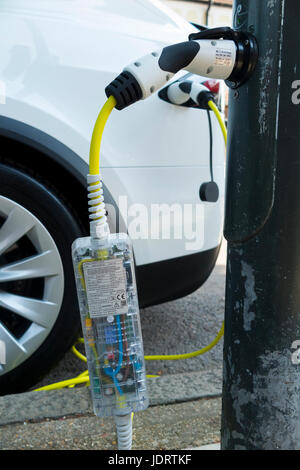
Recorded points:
(174,278)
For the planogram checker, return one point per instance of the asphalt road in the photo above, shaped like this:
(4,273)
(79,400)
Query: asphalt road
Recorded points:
(180,326)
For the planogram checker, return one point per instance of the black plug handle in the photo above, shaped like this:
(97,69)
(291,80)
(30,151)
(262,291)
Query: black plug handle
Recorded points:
(224,32)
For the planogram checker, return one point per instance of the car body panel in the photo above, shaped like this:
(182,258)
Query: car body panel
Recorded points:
(58,58)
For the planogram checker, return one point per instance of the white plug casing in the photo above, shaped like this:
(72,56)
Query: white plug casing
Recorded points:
(215,59)
(212,58)
(148,73)
(177,96)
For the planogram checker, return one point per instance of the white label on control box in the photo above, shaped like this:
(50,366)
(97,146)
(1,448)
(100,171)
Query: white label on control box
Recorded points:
(105,282)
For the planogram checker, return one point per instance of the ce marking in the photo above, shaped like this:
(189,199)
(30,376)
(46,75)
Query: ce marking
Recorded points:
(121,296)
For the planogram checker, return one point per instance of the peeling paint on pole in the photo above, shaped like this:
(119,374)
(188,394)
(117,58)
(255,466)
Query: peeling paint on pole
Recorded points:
(250,295)
(275,394)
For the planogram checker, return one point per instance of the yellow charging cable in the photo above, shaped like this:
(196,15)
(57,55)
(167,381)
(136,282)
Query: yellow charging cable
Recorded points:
(214,108)
(77,353)
(174,357)
(94,169)
(170,357)
(84,378)
(98,133)
(63,384)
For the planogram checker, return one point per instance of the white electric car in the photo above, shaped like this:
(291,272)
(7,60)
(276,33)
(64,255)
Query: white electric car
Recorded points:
(56,58)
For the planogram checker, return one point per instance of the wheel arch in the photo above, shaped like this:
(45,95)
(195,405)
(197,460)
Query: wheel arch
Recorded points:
(34,150)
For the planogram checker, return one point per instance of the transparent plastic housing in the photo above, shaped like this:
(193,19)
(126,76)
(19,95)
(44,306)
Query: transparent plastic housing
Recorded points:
(109,310)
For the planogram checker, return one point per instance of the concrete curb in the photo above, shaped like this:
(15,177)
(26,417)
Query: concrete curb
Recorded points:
(165,390)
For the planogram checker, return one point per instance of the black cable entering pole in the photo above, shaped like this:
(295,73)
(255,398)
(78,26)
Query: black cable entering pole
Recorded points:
(210,146)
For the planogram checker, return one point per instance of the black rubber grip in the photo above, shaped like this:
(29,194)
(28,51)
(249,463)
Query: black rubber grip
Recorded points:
(126,90)
(178,56)
(203,98)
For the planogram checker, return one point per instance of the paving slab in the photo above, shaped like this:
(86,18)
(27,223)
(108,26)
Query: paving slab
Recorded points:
(184,411)
(164,427)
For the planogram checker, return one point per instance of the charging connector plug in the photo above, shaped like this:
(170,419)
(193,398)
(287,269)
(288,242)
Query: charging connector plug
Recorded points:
(187,93)
(220,53)
(148,74)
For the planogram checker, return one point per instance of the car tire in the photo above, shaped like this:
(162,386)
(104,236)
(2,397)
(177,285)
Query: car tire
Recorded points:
(39,318)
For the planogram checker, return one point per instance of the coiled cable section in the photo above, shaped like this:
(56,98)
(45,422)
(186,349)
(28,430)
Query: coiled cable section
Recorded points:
(124,431)
(97,210)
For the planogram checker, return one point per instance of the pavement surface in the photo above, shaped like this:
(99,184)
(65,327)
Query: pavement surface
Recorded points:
(185,403)
(184,413)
